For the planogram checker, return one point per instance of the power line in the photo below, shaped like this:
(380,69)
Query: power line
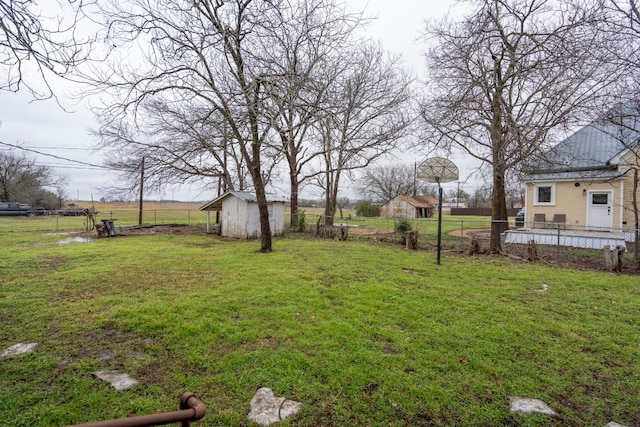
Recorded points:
(54,156)
(63,166)
(57,148)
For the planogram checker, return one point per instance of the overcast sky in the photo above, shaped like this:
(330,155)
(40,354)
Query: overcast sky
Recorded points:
(44,127)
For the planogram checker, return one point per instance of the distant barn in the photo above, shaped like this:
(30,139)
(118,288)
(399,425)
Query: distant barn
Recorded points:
(239,216)
(410,207)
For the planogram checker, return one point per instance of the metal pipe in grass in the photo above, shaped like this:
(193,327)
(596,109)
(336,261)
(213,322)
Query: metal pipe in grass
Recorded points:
(191,409)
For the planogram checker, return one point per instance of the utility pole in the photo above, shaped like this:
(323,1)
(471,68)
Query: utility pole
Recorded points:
(141,191)
(415,178)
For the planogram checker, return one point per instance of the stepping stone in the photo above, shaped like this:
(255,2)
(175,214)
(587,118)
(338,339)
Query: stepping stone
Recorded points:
(267,409)
(526,405)
(18,349)
(614,424)
(118,380)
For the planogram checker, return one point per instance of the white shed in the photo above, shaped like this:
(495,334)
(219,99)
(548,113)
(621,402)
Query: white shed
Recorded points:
(239,215)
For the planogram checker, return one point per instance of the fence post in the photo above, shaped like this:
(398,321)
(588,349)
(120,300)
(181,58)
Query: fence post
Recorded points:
(461,235)
(558,256)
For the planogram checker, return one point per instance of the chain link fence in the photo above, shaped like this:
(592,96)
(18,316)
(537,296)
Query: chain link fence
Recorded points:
(130,218)
(557,243)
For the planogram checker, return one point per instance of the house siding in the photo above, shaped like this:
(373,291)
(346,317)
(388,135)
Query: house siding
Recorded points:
(628,216)
(572,201)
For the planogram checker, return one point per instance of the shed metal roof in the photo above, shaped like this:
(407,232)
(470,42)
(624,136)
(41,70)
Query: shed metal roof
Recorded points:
(242,195)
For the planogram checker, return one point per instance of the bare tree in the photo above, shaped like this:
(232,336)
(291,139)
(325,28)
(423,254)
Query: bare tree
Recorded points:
(366,117)
(178,147)
(515,192)
(22,180)
(382,183)
(625,21)
(205,56)
(45,41)
(481,197)
(507,76)
(310,54)
(622,123)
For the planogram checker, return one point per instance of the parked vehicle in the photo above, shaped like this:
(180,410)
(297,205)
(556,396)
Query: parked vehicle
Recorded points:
(70,212)
(519,222)
(17,209)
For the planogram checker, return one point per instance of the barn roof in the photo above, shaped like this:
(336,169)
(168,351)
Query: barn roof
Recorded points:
(216,204)
(420,201)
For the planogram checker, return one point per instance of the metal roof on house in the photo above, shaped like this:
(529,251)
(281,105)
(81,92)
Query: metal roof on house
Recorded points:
(242,195)
(593,151)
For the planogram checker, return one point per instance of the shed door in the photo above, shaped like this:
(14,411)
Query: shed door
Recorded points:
(600,210)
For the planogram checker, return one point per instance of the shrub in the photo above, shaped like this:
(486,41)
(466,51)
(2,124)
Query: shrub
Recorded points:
(367,208)
(402,227)
(301,220)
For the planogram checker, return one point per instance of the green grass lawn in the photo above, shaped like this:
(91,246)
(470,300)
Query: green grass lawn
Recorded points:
(361,334)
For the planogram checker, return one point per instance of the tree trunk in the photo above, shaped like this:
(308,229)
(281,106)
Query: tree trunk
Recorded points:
(532,251)
(474,246)
(498,210)
(331,197)
(261,198)
(412,240)
(293,224)
(329,208)
(608,262)
(344,232)
(634,203)
(265,229)
(617,254)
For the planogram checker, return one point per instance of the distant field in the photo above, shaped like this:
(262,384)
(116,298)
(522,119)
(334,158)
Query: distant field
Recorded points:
(135,206)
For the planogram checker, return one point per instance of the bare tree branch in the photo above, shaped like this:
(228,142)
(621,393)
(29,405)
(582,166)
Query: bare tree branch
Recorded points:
(506,79)
(44,41)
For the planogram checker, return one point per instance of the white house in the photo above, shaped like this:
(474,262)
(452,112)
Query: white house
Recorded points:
(239,215)
(580,193)
(586,181)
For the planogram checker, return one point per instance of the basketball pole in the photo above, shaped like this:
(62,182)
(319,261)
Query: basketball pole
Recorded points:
(438,170)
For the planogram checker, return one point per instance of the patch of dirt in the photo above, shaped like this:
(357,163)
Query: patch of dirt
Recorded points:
(567,258)
(146,230)
(161,229)
(481,233)
(368,231)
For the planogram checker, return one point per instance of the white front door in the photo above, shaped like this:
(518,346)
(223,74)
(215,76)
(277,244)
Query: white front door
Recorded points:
(600,210)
